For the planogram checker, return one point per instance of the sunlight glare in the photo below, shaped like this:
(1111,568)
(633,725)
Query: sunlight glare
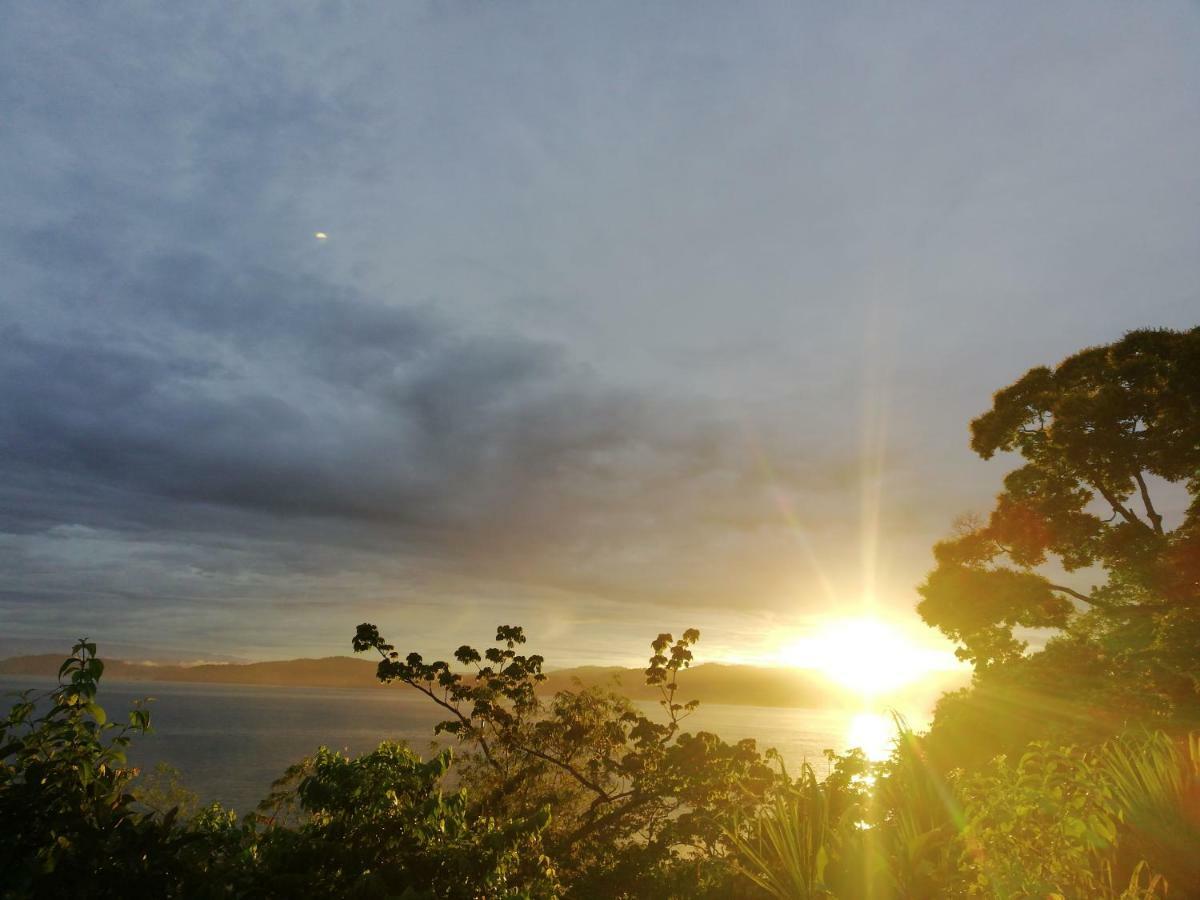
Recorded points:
(867,655)
(873,733)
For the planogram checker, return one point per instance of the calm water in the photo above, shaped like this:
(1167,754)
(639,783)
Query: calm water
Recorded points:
(231,741)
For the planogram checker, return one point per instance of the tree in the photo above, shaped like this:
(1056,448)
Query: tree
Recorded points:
(638,804)
(1102,437)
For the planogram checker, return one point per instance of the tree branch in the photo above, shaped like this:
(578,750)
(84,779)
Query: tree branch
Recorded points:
(569,769)
(450,707)
(1151,512)
(1091,601)
(1126,512)
(635,801)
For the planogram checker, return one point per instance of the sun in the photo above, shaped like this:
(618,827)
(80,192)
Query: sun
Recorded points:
(868,655)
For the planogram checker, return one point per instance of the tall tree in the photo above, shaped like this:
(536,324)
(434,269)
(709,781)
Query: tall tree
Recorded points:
(1108,493)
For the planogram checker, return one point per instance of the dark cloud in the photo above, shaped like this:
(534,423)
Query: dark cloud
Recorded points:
(278,395)
(188,387)
(202,439)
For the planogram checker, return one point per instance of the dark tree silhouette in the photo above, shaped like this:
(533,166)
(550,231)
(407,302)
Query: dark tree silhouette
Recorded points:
(1096,435)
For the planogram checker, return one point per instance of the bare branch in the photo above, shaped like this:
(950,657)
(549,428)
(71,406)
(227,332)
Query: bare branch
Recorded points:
(1071,592)
(1151,512)
(1125,512)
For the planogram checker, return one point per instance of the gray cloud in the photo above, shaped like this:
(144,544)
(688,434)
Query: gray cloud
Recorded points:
(288,402)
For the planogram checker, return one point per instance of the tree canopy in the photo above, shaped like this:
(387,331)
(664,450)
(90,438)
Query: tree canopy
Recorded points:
(1103,438)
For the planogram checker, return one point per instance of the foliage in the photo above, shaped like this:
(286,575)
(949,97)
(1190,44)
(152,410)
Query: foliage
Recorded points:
(1098,436)
(1044,826)
(638,804)
(162,789)
(70,826)
(1117,821)
(1112,823)
(790,844)
(916,820)
(75,823)
(1155,782)
(378,825)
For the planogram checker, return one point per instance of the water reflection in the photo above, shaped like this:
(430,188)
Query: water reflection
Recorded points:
(232,741)
(874,733)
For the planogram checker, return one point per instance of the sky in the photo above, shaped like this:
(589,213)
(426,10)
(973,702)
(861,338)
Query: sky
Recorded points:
(628,317)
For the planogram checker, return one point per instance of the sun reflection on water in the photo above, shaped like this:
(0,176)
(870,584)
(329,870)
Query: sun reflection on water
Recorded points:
(872,732)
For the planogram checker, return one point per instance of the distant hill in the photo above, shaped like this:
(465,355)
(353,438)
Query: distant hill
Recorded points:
(709,682)
(330,671)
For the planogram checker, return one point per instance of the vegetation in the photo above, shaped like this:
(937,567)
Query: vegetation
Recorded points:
(1071,771)
(68,820)
(633,800)
(1104,437)
(380,825)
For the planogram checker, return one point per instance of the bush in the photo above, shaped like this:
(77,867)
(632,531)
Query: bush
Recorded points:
(378,825)
(70,826)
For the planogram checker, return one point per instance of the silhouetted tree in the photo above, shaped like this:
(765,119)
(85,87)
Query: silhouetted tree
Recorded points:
(638,804)
(1101,437)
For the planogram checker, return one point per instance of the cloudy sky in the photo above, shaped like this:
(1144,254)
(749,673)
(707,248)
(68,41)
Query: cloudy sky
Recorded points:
(629,317)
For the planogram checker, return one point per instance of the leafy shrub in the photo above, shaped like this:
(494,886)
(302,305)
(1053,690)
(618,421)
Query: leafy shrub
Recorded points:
(1047,825)
(639,805)
(69,825)
(378,825)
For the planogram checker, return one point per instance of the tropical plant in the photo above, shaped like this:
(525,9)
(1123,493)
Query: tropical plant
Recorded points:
(1155,783)
(916,820)
(789,846)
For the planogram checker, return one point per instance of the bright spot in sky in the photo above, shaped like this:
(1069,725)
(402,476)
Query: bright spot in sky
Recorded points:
(867,655)
(320,235)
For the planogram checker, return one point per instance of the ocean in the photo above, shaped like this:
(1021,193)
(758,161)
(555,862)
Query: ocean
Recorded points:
(231,741)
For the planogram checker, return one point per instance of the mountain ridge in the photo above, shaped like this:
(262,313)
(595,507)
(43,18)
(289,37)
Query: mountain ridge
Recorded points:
(724,683)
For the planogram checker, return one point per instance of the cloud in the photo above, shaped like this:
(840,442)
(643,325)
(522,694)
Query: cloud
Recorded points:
(202,440)
(618,310)
(284,398)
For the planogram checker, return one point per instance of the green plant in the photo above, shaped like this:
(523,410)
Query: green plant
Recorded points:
(638,803)
(1155,782)
(788,847)
(161,790)
(916,823)
(70,826)
(1098,436)
(1052,825)
(380,825)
